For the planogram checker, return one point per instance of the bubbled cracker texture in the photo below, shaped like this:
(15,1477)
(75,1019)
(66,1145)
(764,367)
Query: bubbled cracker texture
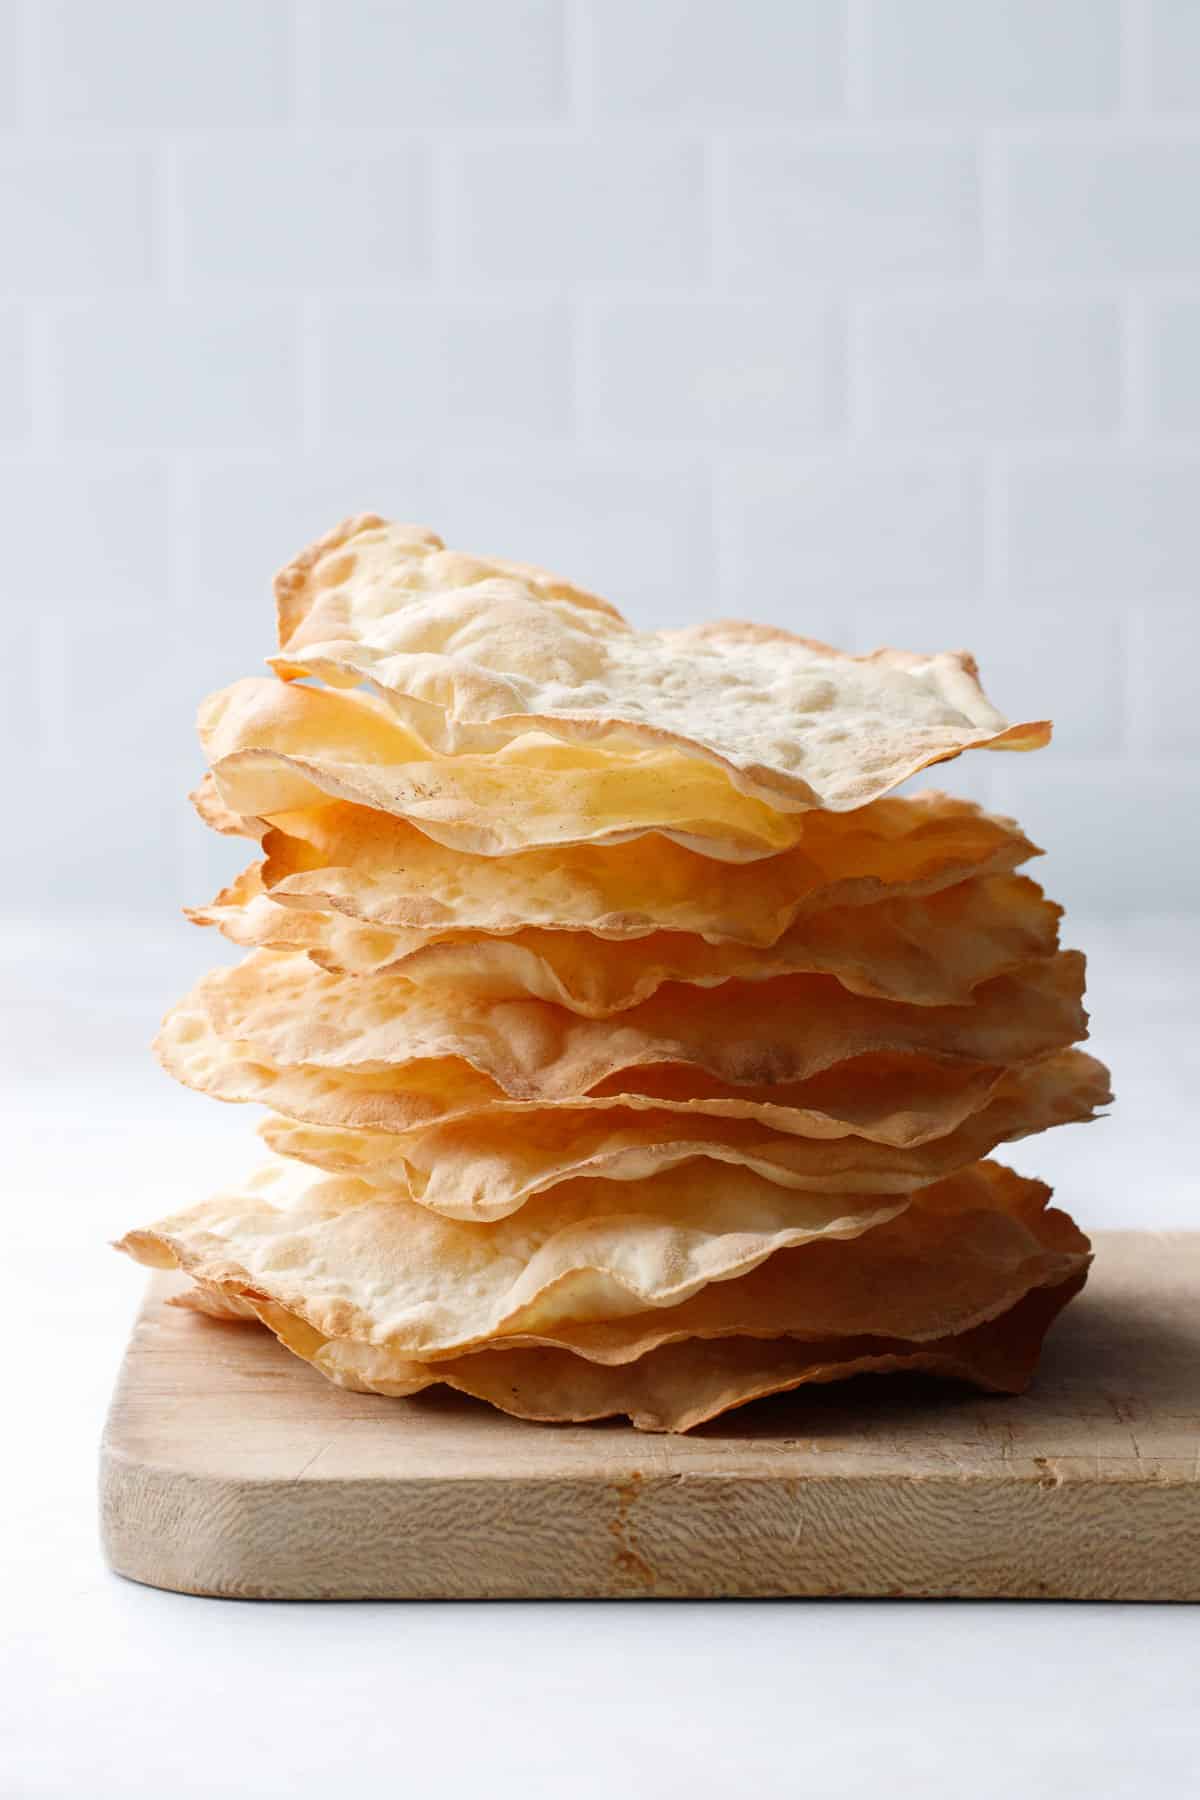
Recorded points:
(382,871)
(487,1164)
(289,1013)
(933,952)
(629,1048)
(382,1272)
(474,654)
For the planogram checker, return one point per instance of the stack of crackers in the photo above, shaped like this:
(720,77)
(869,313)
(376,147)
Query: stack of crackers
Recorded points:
(630,1048)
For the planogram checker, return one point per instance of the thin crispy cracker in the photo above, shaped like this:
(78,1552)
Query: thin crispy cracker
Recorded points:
(487,1164)
(929,952)
(1007,1265)
(216,815)
(680,1386)
(471,654)
(278,749)
(375,1267)
(888,1097)
(290,1014)
(383,872)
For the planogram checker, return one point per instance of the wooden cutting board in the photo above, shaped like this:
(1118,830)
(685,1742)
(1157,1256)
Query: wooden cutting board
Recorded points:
(230,1468)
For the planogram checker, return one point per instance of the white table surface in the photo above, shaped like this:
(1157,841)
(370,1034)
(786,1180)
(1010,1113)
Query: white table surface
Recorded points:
(108,1689)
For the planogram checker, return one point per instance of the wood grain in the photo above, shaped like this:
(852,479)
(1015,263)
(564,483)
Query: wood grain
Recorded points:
(229,1468)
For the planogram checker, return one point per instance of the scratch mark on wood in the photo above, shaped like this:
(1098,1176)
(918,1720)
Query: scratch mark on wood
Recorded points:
(308,1462)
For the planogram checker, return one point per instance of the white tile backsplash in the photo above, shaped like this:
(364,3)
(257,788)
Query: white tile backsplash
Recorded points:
(16,411)
(196,374)
(865,531)
(166,66)
(75,221)
(692,59)
(726,372)
(1173,366)
(878,321)
(439,63)
(991,368)
(1121,526)
(848,208)
(1174,38)
(268,212)
(1168,633)
(1099,205)
(941,58)
(10,53)
(622,207)
(428,372)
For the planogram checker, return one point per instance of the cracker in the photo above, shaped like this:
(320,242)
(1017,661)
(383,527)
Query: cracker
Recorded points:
(597,1256)
(381,871)
(290,1014)
(963,1283)
(929,952)
(279,749)
(680,1386)
(889,1097)
(377,1268)
(471,655)
(488,1164)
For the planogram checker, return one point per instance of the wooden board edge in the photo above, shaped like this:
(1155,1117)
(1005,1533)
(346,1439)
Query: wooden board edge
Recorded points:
(705,1537)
